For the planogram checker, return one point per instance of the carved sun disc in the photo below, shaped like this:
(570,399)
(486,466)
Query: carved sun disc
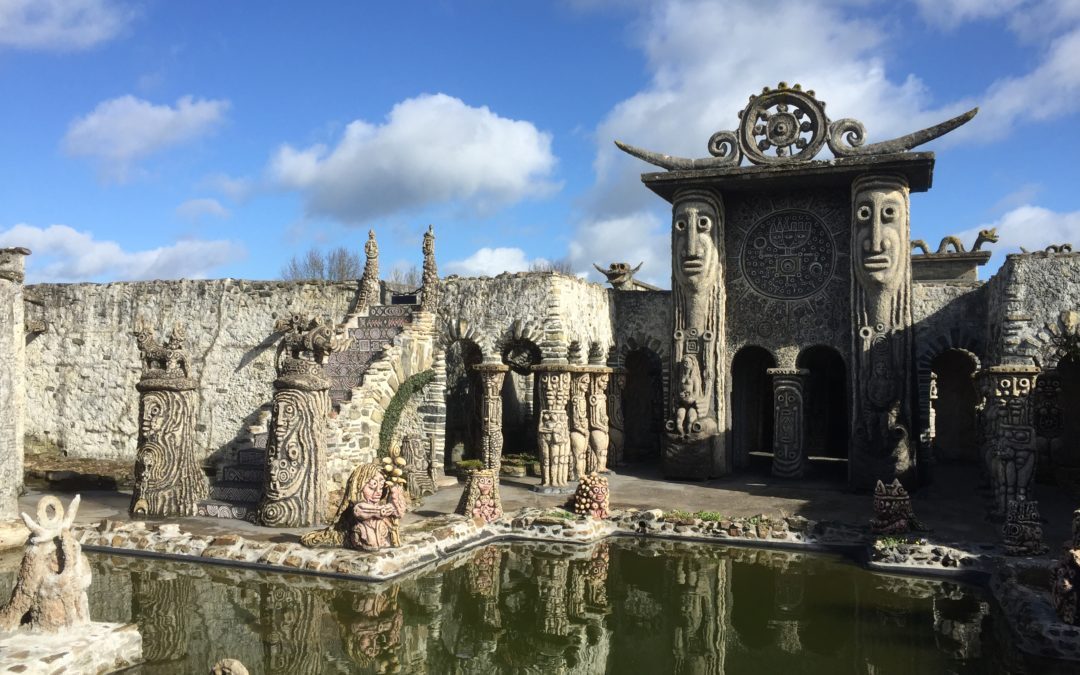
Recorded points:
(783,129)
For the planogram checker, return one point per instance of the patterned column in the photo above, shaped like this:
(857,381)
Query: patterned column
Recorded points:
(789,421)
(553,424)
(599,421)
(1009,431)
(491,413)
(616,418)
(12,382)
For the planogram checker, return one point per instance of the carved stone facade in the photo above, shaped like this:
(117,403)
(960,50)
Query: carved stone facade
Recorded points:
(789,422)
(491,413)
(294,487)
(1022,532)
(480,499)
(168,478)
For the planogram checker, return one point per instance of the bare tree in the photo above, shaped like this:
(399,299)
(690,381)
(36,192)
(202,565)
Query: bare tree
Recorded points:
(406,276)
(562,266)
(339,264)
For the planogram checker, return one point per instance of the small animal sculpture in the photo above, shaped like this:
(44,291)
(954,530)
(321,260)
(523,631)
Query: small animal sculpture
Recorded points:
(892,510)
(1022,532)
(620,275)
(1059,248)
(989,236)
(168,358)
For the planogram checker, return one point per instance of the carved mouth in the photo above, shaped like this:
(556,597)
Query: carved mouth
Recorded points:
(876,263)
(693,265)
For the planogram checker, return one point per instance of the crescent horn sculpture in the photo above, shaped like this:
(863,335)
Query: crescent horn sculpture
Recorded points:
(791,123)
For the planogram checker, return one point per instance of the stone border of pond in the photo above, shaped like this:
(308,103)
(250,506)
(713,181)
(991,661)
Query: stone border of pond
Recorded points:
(1013,582)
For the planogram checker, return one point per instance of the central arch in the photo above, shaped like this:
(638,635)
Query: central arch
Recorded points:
(751,404)
(825,396)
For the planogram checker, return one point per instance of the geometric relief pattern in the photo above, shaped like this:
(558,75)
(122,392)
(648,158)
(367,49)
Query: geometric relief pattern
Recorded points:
(345,369)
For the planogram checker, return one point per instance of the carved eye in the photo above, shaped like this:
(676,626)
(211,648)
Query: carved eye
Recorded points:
(863,213)
(680,225)
(889,212)
(703,224)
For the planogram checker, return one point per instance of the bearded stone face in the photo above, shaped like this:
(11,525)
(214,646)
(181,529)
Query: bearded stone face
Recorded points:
(880,235)
(694,226)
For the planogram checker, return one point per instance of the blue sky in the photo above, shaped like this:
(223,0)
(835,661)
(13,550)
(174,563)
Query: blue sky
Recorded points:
(160,139)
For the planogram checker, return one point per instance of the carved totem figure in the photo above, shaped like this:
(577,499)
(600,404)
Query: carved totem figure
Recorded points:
(579,421)
(168,478)
(592,497)
(419,465)
(892,510)
(1022,532)
(369,282)
(882,330)
(430,294)
(789,422)
(491,413)
(369,514)
(480,499)
(294,489)
(616,418)
(1010,436)
(553,433)
(1065,587)
(50,590)
(693,447)
(599,434)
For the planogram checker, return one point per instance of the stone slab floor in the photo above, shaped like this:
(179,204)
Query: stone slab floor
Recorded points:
(954,505)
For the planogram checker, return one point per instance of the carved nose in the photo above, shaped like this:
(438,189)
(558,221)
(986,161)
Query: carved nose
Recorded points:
(692,244)
(877,239)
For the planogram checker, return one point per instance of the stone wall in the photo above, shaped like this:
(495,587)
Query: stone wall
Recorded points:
(81,373)
(12,395)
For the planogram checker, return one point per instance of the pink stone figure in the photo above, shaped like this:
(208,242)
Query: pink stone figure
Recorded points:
(378,511)
(486,505)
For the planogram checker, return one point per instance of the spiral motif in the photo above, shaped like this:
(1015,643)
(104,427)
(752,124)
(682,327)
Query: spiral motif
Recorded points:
(725,145)
(845,136)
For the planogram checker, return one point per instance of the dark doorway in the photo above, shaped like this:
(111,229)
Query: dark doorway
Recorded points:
(825,394)
(751,404)
(1069,453)
(954,408)
(643,405)
(463,389)
(518,397)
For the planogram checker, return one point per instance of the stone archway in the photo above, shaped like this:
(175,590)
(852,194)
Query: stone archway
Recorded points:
(826,397)
(643,405)
(463,393)
(955,426)
(751,404)
(519,395)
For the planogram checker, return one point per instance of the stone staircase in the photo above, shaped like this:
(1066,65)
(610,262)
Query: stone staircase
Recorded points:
(238,488)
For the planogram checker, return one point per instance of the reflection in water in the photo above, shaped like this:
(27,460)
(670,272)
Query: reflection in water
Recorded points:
(621,606)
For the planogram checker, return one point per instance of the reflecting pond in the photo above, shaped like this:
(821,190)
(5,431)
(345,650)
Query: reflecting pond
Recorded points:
(623,606)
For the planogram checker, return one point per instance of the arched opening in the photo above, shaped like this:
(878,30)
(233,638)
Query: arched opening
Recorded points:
(751,405)
(954,407)
(1069,452)
(825,396)
(518,396)
(643,405)
(463,390)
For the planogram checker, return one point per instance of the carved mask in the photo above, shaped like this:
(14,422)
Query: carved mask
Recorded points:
(880,232)
(695,228)
(373,489)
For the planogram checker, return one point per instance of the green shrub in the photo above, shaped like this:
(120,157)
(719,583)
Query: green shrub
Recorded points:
(397,404)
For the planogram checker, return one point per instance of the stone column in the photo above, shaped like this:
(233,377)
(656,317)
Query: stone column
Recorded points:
(599,422)
(294,486)
(12,384)
(616,418)
(1009,431)
(789,421)
(579,420)
(882,375)
(168,478)
(553,428)
(491,413)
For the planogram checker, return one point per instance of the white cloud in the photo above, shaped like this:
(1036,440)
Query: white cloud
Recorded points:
(432,149)
(196,209)
(637,238)
(492,261)
(951,13)
(1032,227)
(120,131)
(60,25)
(63,254)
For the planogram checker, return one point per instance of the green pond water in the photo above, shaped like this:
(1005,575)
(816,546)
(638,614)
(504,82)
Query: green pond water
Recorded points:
(623,606)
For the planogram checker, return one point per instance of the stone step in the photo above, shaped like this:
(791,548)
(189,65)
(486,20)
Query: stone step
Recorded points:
(212,508)
(251,457)
(232,491)
(245,473)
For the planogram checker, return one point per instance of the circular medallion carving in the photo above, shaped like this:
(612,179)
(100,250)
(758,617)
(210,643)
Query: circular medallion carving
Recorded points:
(788,255)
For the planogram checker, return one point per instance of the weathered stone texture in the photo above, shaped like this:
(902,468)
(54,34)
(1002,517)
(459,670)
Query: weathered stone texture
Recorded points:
(1026,298)
(81,374)
(12,393)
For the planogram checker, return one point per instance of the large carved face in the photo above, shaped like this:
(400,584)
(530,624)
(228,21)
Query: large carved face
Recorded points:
(695,225)
(373,489)
(880,234)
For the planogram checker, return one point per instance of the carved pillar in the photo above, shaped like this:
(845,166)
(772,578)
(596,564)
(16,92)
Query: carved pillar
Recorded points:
(599,429)
(789,422)
(369,282)
(12,380)
(429,294)
(579,421)
(491,413)
(294,487)
(1009,432)
(168,478)
(553,430)
(693,444)
(882,356)
(616,418)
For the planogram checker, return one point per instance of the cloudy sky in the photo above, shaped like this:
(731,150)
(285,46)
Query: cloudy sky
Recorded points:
(153,139)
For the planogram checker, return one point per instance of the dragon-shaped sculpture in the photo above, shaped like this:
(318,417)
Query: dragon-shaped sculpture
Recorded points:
(989,236)
(620,275)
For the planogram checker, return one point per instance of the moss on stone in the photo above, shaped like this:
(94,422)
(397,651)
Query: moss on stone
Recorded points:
(393,412)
